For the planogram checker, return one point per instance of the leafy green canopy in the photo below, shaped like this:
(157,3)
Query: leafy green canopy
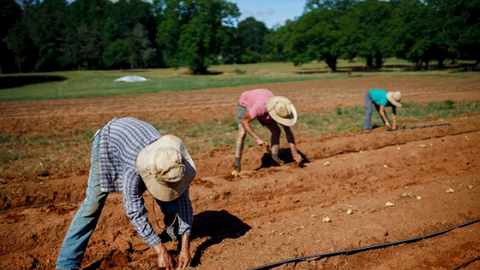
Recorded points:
(315,36)
(417,30)
(195,33)
(10,12)
(252,35)
(52,35)
(366,29)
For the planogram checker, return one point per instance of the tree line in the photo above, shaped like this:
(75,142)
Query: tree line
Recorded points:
(52,35)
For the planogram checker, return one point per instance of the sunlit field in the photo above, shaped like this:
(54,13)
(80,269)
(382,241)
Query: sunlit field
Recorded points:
(79,84)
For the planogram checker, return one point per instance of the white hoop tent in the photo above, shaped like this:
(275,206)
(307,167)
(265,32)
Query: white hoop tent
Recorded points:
(132,78)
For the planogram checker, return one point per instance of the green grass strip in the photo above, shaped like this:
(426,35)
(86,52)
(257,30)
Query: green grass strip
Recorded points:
(84,84)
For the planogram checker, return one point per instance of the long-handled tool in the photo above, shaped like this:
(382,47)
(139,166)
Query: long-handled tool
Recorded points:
(423,126)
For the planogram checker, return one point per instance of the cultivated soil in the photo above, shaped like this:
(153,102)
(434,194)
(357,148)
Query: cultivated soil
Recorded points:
(378,187)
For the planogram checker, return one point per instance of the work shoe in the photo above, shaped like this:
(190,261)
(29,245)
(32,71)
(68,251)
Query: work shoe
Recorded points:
(277,162)
(236,170)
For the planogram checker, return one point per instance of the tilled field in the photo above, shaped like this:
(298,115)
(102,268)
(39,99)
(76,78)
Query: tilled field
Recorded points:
(376,188)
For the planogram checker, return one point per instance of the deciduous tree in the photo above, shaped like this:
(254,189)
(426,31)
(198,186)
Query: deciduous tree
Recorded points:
(9,15)
(195,32)
(46,24)
(317,36)
(252,35)
(116,55)
(367,28)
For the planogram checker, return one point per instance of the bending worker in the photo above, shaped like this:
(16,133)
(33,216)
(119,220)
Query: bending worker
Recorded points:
(382,99)
(270,110)
(130,156)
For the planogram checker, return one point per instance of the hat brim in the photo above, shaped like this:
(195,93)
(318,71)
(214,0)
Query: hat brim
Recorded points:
(146,168)
(292,118)
(393,101)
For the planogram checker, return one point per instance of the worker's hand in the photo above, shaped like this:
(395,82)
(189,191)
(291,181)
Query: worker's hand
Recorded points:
(388,126)
(184,259)
(261,142)
(164,260)
(298,158)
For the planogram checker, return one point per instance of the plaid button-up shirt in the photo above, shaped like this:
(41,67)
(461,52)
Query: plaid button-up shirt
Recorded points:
(120,142)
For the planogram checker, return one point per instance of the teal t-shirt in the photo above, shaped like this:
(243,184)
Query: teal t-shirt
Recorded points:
(379,97)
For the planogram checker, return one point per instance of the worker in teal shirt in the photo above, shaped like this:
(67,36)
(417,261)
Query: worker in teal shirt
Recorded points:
(382,99)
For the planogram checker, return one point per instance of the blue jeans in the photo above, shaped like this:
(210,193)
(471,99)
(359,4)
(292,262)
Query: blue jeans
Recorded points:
(86,218)
(368,111)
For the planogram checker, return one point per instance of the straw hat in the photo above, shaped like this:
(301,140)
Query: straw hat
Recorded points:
(166,168)
(282,110)
(395,98)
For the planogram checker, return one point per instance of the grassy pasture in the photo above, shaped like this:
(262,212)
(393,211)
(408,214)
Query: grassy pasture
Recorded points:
(81,84)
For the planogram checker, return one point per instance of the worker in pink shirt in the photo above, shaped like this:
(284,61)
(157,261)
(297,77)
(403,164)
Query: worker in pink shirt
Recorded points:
(270,110)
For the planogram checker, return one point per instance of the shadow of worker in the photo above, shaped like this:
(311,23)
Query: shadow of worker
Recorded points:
(216,226)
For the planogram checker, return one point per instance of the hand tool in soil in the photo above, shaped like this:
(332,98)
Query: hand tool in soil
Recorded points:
(423,126)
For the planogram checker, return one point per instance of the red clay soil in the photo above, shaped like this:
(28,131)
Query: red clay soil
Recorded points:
(376,188)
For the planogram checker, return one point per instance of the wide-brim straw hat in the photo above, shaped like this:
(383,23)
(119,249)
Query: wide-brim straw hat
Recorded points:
(395,98)
(282,110)
(166,168)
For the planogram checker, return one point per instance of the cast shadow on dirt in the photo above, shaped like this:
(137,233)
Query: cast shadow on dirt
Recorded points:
(216,226)
(17,81)
(285,155)
(377,126)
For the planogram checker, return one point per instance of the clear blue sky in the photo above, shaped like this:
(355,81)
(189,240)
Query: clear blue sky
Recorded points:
(271,12)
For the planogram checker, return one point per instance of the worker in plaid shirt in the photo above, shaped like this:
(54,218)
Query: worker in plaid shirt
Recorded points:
(130,156)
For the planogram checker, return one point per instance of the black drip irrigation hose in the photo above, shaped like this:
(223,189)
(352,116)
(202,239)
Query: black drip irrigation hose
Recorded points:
(466,264)
(352,251)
